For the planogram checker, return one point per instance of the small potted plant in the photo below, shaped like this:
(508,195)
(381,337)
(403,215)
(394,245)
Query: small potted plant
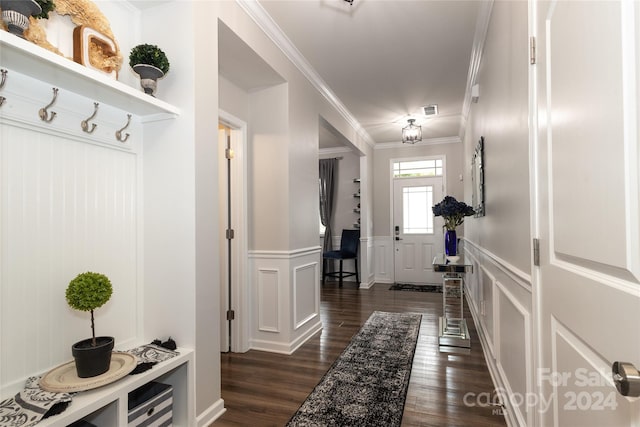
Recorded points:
(150,63)
(87,292)
(16,13)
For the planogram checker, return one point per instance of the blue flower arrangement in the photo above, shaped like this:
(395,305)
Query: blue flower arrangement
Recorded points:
(452,211)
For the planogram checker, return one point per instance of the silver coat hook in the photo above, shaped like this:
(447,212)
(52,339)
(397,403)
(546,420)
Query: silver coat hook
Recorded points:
(85,123)
(4,79)
(44,113)
(119,132)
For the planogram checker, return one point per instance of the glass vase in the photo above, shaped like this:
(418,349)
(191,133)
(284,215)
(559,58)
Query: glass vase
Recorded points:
(450,243)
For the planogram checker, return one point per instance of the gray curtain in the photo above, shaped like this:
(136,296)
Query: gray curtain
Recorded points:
(328,169)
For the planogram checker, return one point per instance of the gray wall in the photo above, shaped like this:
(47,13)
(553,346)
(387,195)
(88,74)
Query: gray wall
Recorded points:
(502,117)
(348,169)
(382,178)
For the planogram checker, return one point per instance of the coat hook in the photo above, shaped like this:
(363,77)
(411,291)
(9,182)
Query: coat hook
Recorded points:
(119,132)
(4,77)
(85,123)
(2,99)
(44,113)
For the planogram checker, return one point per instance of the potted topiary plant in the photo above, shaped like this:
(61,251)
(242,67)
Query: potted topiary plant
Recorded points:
(46,6)
(150,63)
(16,13)
(87,292)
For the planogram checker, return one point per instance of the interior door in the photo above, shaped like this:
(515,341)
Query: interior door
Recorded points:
(587,209)
(418,235)
(224,166)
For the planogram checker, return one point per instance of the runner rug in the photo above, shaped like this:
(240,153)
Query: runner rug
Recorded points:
(367,384)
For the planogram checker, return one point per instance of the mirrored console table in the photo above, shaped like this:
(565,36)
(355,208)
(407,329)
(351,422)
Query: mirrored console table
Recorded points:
(453,326)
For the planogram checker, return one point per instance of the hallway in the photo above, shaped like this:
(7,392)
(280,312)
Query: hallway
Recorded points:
(265,389)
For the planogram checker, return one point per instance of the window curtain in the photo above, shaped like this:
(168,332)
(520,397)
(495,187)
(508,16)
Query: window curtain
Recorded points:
(327,195)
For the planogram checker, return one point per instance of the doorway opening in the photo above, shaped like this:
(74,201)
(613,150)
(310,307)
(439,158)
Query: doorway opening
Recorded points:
(233,232)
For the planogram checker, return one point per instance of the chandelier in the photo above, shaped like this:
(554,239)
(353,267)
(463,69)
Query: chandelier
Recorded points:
(411,133)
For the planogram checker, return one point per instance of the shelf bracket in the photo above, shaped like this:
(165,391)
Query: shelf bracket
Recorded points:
(119,132)
(44,111)
(85,122)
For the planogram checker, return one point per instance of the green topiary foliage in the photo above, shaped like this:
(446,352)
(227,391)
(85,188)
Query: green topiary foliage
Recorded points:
(89,291)
(47,6)
(149,54)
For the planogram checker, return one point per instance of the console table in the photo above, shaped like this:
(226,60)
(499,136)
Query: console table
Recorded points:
(453,326)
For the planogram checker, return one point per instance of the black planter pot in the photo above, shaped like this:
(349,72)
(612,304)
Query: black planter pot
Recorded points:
(149,76)
(92,361)
(16,13)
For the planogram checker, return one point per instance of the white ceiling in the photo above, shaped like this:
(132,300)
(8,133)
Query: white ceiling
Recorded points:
(385,59)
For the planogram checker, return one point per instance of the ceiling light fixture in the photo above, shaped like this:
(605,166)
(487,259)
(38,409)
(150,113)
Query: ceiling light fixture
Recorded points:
(350,2)
(411,133)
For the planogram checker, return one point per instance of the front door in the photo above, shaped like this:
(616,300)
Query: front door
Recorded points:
(418,235)
(587,208)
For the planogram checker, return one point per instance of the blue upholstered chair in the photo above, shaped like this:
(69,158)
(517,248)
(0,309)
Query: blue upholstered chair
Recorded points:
(349,243)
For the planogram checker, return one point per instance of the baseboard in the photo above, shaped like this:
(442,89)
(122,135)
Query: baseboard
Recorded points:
(317,327)
(367,285)
(286,348)
(212,413)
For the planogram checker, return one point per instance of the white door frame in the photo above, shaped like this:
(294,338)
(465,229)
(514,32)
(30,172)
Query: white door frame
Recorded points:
(239,276)
(443,157)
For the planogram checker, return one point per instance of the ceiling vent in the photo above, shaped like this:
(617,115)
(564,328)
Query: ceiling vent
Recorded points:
(430,110)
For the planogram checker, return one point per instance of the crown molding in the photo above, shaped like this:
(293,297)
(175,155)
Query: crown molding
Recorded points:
(430,141)
(275,33)
(479,38)
(334,150)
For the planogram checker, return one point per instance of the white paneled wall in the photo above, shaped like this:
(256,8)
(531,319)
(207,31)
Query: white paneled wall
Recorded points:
(67,206)
(383,259)
(285,301)
(499,297)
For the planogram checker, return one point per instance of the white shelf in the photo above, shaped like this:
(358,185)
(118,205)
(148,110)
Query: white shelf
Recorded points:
(28,58)
(107,406)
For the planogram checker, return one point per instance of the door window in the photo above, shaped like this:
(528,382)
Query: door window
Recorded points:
(417,168)
(416,210)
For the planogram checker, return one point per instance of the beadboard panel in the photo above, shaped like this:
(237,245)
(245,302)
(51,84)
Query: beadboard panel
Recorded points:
(66,207)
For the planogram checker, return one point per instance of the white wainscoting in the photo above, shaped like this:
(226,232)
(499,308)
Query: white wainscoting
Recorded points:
(70,203)
(268,306)
(499,298)
(285,299)
(306,297)
(367,274)
(383,256)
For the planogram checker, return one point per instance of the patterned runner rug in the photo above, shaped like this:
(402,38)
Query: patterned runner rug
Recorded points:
(417,288)
(367,384)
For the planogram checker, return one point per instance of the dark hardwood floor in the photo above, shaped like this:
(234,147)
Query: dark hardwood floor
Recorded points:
(265,389)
